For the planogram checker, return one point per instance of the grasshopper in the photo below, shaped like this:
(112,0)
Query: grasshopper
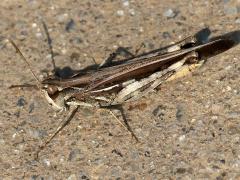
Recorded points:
(115,83)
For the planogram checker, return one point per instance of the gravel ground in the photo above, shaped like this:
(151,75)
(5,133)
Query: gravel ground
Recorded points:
(188,129)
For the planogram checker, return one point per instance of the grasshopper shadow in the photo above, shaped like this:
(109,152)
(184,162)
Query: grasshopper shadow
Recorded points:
(234,36)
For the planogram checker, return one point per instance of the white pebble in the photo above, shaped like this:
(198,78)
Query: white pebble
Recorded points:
(141,29)
(120,12)
(2,141)
(16,151)
(14,135)
(237,21)
(64,51)
(72,177)
(62,159)
(193,120)
(228,67)
(125,3)
(34,25)
(47,162)
(132,12)
(49,56)
(229,88)
(214,117)
(182,138)
(169,13)
(62,17)
(115,46)
(38,35)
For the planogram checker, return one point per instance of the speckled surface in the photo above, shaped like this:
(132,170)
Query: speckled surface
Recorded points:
(189,129)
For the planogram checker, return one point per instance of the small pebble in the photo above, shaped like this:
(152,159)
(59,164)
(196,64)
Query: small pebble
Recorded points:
(125,3)
(83,175)
(147,154)
(74,56)
(34,25)
(49,57)
(35,133)
(23,34)
(21,102)
(72,177)
(70,25)
(216,109)
(117,152)
(230,10)
(74,155)
(233,115)
(193,120)
(20,25)
(116,171)
(169,13)
(182,138)
(228,88)
(228,67)
(180,170)
(166,35)
(76,40)
(64,51)
(38,35)
(2,142)
(46,162)
(159,112)
(62,17)
(134,155)
(17,114)
(16,151)
(141,29)
(132,12)
(235,91)
(179,112)
(236,164)
(148,45)
(120,12)
(31,108)
(237,21)
(214,117)
(34,177)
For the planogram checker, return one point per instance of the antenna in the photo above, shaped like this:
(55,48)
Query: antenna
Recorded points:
(49,41)
(25,60)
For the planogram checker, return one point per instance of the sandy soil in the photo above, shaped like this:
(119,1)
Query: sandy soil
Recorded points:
(188,130)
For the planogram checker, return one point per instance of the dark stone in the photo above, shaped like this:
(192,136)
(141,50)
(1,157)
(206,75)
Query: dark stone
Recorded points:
(166,35)
(70,25)
(31,107)
(147,154)
(21,102)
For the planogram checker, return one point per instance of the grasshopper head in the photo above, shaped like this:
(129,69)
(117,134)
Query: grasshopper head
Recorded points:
(54,95)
